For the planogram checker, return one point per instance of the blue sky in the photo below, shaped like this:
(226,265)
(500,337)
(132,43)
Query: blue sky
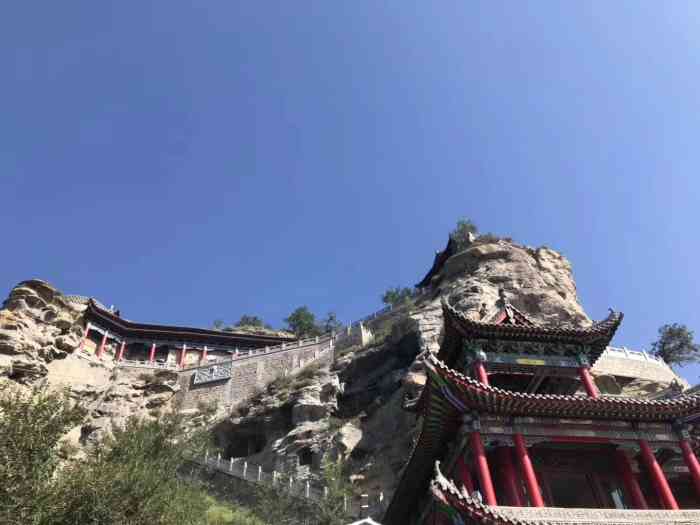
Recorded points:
(192,162)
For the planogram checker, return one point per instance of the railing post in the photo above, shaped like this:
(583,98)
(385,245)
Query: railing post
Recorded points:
(245,468)
(325,492)
(291,480)
(259,473)
(307,490)
(230,465)
(274,477)
(345,503)
(218,460)
(206,456)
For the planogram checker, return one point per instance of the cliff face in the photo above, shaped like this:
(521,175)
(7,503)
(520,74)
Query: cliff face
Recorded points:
(369,426)
(352,408)
(40,335)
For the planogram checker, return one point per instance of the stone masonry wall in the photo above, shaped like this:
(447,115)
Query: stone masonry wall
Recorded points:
(251,372)
(650,370)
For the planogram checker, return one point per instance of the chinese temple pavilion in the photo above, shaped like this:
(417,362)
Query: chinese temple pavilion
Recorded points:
(515,430)
(106,332)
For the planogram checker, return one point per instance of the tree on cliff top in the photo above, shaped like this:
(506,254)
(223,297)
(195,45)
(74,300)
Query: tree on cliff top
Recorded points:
(396,296)
(302,322)
(675,345)
(460,235)
(250,320)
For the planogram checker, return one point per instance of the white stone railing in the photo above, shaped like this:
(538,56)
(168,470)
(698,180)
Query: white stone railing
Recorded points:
(147,364)
(613,351)
(636,355)
(258,352)
(360,506)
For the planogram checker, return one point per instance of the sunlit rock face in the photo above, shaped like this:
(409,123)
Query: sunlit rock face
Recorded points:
(351,409)
(40,337)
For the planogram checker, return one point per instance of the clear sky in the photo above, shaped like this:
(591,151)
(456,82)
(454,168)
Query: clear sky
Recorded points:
(188,161)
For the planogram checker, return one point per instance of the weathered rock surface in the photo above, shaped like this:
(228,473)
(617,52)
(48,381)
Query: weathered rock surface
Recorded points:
(40,335)
(369,427)
(351,409)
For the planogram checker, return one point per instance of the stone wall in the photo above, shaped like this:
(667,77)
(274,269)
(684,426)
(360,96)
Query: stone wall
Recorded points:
(637,366)
(357,334)
(251,372)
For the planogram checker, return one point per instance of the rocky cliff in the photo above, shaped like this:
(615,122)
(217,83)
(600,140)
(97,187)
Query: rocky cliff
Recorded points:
(351,408)
(40,335)
(366,423)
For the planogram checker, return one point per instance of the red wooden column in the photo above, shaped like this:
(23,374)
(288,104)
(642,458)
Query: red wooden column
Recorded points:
(533,487)
(464,475)
(120,355)
(183,353)
(152,354)
(630,480)
(510,480)
(657,475)
(102,344)
(85,336)
(585,375)
(691,462)
(482,469)
(479,368)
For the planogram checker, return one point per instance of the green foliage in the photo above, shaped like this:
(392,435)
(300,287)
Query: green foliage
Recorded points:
(460,235)
(675,345)
(246,320)
(220,513)
(330,509)
(302,322)
(310,371)
(208,409)
(331,323)
(130,478)
(489,237)
(397,296)
(252,320)
(31,426)
(275,505)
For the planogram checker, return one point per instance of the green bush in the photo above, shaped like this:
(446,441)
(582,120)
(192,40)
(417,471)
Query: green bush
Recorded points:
(460,235)
(302,322)
(129,478)
(397,296)
(31,426)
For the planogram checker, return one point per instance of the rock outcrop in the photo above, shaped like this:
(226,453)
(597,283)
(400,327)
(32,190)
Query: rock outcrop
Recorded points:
(40,336)
(351,408)
(369,428)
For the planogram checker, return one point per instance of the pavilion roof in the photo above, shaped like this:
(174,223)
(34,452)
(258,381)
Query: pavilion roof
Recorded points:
(508,324)
(125,328)
(439,261)
(467,395)
(448,395)
(523,328)
(452,502)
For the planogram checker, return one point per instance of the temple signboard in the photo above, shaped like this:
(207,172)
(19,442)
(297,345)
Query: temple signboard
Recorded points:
(217,372)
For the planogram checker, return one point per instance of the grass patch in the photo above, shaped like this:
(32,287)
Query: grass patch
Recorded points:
(219,513)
